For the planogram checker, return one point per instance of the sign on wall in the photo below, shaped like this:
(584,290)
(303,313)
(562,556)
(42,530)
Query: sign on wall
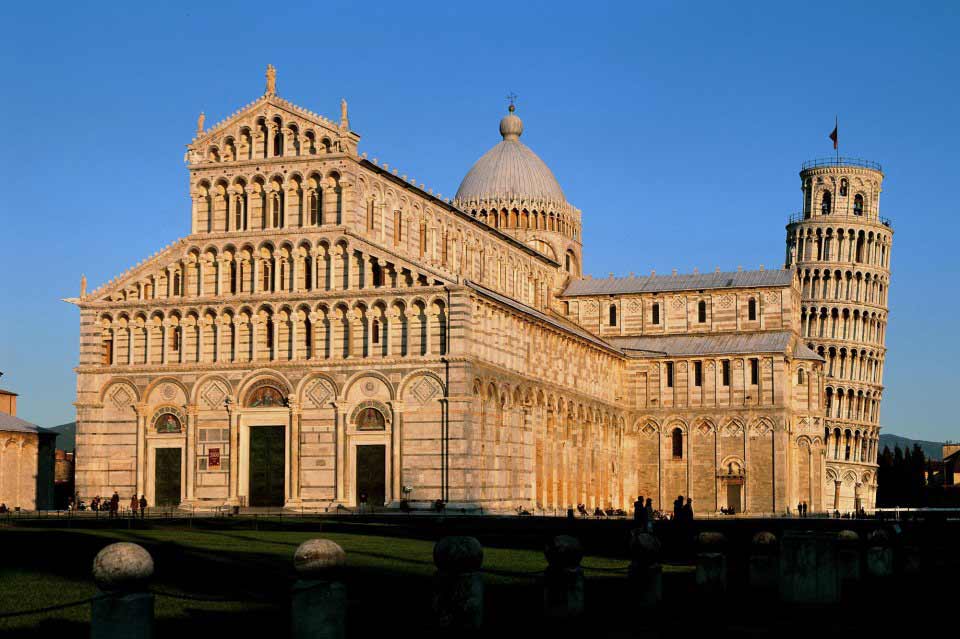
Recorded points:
(213,458)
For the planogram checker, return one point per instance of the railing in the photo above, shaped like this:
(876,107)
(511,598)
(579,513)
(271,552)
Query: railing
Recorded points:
(799,217)
(841,161)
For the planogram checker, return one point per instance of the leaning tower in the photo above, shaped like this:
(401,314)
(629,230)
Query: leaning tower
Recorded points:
(840,247)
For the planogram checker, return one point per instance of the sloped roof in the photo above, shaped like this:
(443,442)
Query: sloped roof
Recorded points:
(529,310)
(686,282)
(9,423)
(701,345)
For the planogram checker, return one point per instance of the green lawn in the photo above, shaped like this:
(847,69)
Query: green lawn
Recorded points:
(388,578)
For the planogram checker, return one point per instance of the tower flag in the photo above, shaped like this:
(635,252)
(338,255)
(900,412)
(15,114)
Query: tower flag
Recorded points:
(834,136)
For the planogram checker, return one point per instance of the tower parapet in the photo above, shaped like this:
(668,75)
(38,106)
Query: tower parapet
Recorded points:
(840,247)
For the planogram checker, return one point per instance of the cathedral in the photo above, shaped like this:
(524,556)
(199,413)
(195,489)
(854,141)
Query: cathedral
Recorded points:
(332,333)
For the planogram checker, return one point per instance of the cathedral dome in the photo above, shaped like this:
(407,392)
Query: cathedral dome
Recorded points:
(510,171)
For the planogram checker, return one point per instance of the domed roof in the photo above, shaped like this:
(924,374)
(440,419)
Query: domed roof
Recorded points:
(510,171)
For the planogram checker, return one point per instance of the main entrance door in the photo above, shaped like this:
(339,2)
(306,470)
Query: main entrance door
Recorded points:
(372,474)
(167,478)
(733,496)
(267,453)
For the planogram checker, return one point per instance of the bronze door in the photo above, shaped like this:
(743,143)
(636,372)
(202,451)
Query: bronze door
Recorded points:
(372,474)
(167,477)
(267,453)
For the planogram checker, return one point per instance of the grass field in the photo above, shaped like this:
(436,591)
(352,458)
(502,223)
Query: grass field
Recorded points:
(388,577)
(389,582)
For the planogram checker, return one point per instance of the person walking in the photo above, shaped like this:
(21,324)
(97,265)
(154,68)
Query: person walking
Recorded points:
(134,504)
(114,504)
(143,506)
(638,510)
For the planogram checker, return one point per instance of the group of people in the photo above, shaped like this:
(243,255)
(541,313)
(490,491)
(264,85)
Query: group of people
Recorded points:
(599,512)
(802,509)
(112,505)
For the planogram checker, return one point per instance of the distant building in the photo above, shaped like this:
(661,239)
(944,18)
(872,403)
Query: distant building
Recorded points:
(26,459)
(63,477)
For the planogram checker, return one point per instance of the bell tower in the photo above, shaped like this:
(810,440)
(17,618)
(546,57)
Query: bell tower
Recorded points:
(840,247)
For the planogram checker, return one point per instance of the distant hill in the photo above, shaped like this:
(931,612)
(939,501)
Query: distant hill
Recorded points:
(932,450)
(66,436)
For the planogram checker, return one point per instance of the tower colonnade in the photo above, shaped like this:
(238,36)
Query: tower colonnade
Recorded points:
(840,247)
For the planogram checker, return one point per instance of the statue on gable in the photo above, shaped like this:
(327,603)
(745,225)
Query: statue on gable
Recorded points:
(200,120)
(271,80)
(83,286)
(344,121)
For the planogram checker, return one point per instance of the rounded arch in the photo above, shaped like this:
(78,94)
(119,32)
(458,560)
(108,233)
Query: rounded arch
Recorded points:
(199,390)
(262,375)
(348,385)
(153,385)
(410,377)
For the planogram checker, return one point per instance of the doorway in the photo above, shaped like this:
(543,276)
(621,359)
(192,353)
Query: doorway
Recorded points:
(167,463)
(267,461)
(733,497)
(372,474)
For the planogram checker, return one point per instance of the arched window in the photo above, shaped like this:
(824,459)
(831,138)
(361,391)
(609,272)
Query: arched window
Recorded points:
(176,338)
(176,284)
(270,337)
(843,187)
(567,263)
(677,440)
(613,315)
(375,328)
(701,311)
(669,374)
(266,277)
(807,195)
(656,313)
(826,203)
(800,377)
(752,309)
(858,204)
(308,337)
(233,277)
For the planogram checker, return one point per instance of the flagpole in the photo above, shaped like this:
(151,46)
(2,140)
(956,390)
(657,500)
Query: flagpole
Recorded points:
(836,127)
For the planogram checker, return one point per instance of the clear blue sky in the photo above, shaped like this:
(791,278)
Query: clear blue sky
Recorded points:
(678,128)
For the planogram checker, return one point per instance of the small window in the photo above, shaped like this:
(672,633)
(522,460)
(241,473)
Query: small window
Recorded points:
(726,372)
(752,309)
(843,187)
(826,205)
(677,440)
(376,331)
(701,311)
(669,374)
(858,204)
(613,315)
(698,374)
(377,272)
(656,313)
(107,353)
(176,338)
(800,377)
(754,371)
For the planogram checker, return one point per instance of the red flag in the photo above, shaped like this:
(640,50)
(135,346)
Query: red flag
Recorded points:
(834,137)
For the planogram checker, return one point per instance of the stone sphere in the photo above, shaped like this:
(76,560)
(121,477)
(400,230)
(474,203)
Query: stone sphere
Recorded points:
(564,551)
(317,556)
(644,547)
(764,538)
(458,554)
(122,567)
(711,539)
(878,538)
(847,537)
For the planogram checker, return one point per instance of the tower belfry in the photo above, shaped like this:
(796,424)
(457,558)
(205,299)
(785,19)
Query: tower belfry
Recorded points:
(839,246)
